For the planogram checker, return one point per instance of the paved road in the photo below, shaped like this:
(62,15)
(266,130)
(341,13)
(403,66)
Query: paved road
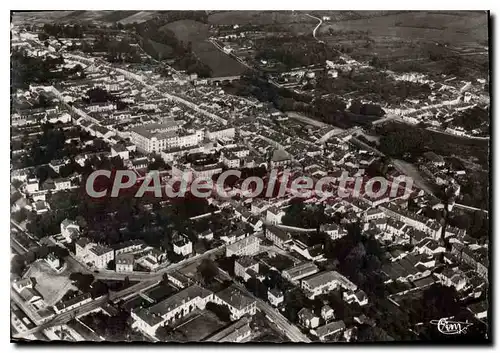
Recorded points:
(316,28)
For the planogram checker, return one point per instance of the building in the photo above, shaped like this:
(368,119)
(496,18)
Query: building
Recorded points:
(296,273)
(237,301)
(323,332)
(280,158)
(72,303)
(307,318)
(274,215)
(238,331)
(275,296)
(246,246)
(327,313)
(70,230)
(53,261)
(32,185)
(325,282)
(359,297)
(171,309)
(97,255)
(56,164)
(129,246)
(158,137)
(124,263)
(332,230)
(62,184)
(121,151)
(21,284)
(245,267)
(179,280)
(277,235)
(220,133)
(183,246)
(313,253)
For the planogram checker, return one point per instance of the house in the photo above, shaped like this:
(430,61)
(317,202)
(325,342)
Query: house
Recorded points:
(62,184)
(327,313)
(237,301)
(56,164)
(179,280)
(72,303)
(245,267)
(70,230)
(30,295)
(359,297)
(313,253)
(275,296)
(32,185)
(207,235)
(21,284)
(332,230)
(53,261)
(277,235)
(246,246)
(120,150)
(171,309)
(124,263)
(183,246)
(274,215)
(329,329)
(41,207)
(307,318)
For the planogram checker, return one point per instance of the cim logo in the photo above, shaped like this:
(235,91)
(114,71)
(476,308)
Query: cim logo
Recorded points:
(449,327)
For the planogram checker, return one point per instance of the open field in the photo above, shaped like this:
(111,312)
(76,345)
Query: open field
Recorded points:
(51,285)
(452,27)
(406,41)
(197,33)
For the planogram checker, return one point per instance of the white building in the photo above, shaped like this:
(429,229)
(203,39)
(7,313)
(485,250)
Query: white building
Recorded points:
(245,266)
(69,230)
(246,246)
(97,255)
(275,296)
(237,301)
(53,261)
(124,263)
(171,309)
(183,246)
(325,282)
(157,137)
(274,215)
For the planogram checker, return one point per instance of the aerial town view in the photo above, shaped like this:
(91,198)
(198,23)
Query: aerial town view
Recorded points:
(250,176)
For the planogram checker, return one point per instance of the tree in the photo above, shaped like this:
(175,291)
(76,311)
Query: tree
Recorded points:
(82,281)
(222,311)
(208,270)
(111,265)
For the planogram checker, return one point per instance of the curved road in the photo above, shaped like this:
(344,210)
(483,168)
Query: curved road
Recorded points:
(316,28)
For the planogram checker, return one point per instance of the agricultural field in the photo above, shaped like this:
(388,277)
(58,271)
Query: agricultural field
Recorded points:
(198,33)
